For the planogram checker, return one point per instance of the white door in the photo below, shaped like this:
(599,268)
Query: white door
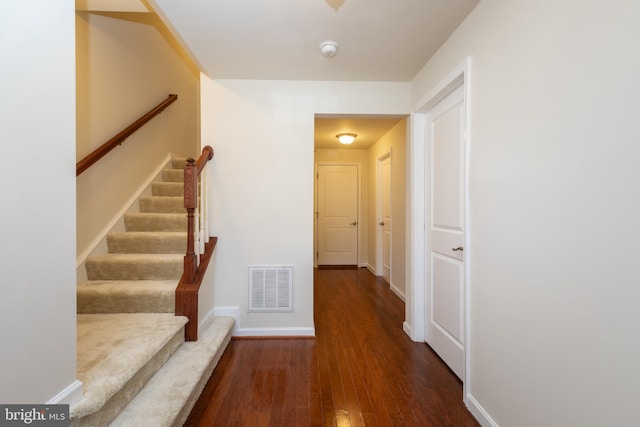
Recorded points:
(385,215)
(337,210)
(445,276)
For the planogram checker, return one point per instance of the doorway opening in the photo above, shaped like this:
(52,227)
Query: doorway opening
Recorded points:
(376,138)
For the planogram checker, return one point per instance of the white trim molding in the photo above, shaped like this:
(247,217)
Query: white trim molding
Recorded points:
(398,292)
(479,412)
(70,395)
(416,304)
(81,257)
(276,332)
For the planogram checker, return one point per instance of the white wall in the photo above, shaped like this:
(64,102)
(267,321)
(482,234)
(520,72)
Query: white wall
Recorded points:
(126,64)
(360,157)
(37,134)
(554,205)
(393,142)
(262,178)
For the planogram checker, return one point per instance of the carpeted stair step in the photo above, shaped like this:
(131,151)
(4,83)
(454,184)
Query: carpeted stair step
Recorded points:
(172,189)
(161,204)
(117,355)
(150,242)
(173,175)
(135,267)
(169,396)
(126,296)
(155,222)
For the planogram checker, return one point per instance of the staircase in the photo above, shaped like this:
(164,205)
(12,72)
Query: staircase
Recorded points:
(136,368)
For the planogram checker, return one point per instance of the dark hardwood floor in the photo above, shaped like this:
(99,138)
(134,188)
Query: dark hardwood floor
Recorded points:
(360,370)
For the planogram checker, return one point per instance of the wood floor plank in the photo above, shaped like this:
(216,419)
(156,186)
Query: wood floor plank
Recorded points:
(360,370)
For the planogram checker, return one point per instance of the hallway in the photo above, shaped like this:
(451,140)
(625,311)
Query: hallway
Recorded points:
(360,370)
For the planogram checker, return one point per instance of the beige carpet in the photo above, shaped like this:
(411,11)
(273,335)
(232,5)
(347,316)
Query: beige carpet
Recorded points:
(170,395)
(114,350)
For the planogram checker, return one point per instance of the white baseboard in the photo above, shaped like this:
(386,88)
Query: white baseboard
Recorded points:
(238,331)
(70,395)
(398,292)
(407,329)
(479,413)
(81,257)
(371,269)
(276,332)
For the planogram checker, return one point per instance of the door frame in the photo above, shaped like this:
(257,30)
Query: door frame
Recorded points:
(379,231)
(416,310)
(315,207)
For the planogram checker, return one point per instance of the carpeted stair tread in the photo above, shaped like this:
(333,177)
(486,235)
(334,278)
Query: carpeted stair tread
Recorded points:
(155,221)
(150,242)
(161,204)
(117,354)
(174,189)
(126,296)
(169,396)
(135,267)
(173,175)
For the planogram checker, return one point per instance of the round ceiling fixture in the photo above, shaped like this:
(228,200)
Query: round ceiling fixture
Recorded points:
(346,138)
(329,48)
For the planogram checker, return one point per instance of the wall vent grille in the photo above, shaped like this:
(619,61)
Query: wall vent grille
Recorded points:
(270,289)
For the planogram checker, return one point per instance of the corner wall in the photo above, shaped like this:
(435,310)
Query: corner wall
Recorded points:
(553,209)
(393,141)
(37,248)
(126,64)
(262,182)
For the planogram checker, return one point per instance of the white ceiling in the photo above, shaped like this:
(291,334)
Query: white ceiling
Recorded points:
(378,40)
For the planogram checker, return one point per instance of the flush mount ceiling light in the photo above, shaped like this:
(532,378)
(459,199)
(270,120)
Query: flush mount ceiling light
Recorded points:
(346,138)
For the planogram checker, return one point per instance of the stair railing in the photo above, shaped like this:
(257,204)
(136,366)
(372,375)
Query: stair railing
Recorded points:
(105,148)
(199,245)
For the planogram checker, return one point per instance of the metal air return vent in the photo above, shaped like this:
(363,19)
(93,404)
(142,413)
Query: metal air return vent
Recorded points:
(270,289)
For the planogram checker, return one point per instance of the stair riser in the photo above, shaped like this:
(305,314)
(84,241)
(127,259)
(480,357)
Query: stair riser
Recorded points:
(161,205)
(178,163)
(126,297)
(173,175)
(141,244)
(107,269)
(151,222)
(167,189)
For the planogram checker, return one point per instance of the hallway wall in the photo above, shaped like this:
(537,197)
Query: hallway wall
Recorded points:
(393,141)
(262,182)
(554,205)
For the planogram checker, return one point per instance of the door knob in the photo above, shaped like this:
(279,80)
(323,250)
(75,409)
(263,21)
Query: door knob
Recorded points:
(381,223)
(459,248)
(354,223)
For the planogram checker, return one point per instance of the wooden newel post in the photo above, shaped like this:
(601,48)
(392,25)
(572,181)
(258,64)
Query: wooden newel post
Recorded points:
(186,303)
(190,203)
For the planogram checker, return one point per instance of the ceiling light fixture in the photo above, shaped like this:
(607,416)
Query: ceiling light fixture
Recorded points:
(346,138)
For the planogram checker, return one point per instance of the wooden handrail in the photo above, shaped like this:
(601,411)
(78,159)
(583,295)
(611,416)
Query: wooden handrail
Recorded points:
(187,291)
(101,151)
